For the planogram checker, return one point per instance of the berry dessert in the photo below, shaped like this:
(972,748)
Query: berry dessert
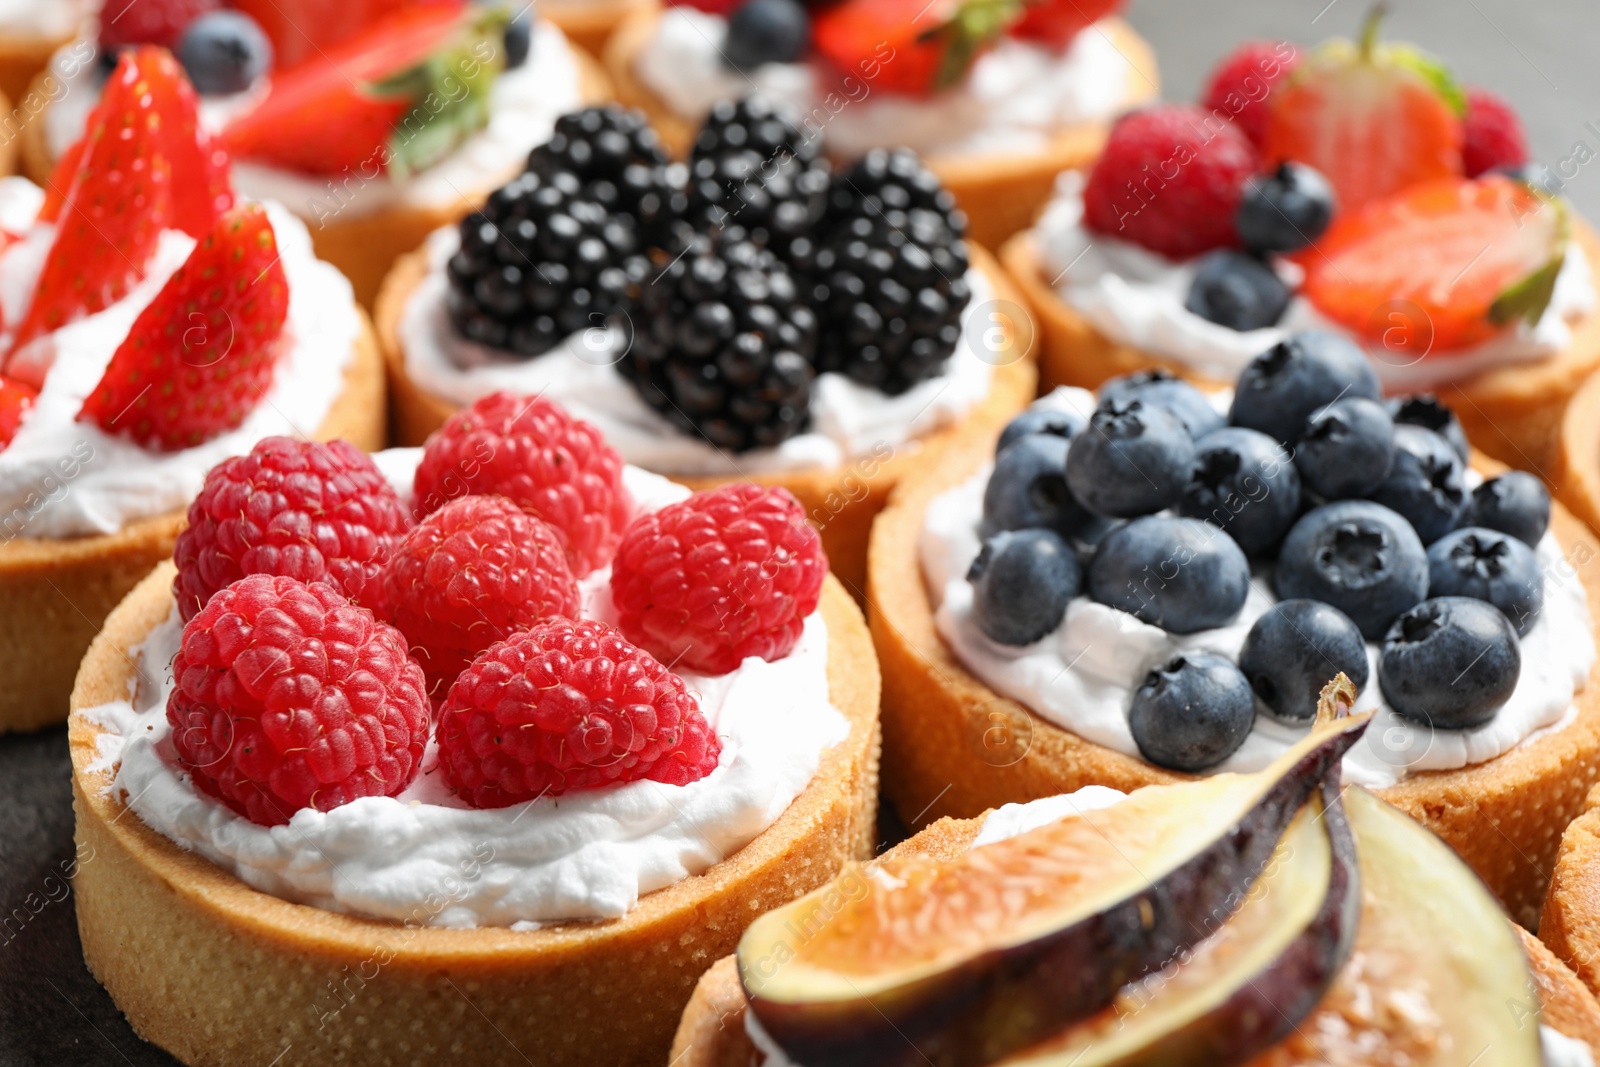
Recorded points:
(1157,583)
(154,324)
(376,123)
(1270,918)
(1354,187)
(501,718)
(998,95)
(788,324)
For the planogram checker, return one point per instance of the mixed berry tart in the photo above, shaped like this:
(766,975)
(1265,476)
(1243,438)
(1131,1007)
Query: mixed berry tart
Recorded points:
(1156,583)
(998,95)
(826,332)
(374,122)
(154,323)
(500,722)
(1354,187)
(1269,919)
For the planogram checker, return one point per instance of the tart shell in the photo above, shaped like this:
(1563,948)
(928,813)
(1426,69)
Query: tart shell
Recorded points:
(590,23)
(54,594)
(1000,192)
(843,502)
(1575,471)
(1513,413)
(23,58)
(218,973)
(955,747)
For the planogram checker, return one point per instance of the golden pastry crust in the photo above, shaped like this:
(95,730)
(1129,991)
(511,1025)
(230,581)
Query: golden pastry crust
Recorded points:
(1570,925)
(841,502)
(1512,413)
(953,746)
(1001,193)
(1575,470)
(22,58)
(218,973)
(590,23)
(55,593)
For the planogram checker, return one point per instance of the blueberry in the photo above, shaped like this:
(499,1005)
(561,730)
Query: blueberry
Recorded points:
(1182,575)
(1163,390)
(1491,566)
(1238,291)
(1058,422)
(1244,482)
(1191,713)
(1028,489)
(1426,411)
(519,38)
(1347,448)
(1285,210)
(1022,581)
(1281,388)
(1294,649)
(1087,538)
(1133,459)
(1516,503)
(224,52)
(1451,662)
(1424,483)
(1358,556)
(766,31)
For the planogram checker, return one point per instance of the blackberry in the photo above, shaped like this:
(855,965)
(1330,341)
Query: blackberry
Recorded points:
(890,273)
(616,155)
(540,262)
(723,344)
(756,174)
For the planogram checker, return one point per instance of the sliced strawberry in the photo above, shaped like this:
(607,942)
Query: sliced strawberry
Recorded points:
(119,202)
(202,354)
(60,180)
(16,400)
(1448,263)
(300,29)
(911,46)
(1057,22)
(1373,118)
(202,181)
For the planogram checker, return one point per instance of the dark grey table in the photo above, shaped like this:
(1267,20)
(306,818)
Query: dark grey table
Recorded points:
(1537,52)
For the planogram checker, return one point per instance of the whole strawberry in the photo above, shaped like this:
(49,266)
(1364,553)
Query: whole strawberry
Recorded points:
(1491,134)
(298,509)
(727,574)
(528,449)
(472,573)
(287,696)
(1241,85)
(566,706)
(1170,179)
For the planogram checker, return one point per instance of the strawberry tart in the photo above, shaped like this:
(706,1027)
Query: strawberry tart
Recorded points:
(375,123)
(1354,187)
(153,325)
(505,757)
(823,332)
(998,95)
(1156,583)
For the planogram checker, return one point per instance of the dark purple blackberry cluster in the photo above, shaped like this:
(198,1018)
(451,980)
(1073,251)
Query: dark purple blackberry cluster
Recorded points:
(618,158)
(756,175)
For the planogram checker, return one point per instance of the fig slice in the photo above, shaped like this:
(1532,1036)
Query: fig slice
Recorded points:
(911,960)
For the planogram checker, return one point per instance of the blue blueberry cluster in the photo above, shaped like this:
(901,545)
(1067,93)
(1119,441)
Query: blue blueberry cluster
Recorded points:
(1357,508)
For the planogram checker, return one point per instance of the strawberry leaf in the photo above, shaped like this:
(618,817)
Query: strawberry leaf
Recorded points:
(450,94)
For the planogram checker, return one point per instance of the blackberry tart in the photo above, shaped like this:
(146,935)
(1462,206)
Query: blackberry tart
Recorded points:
(753,312)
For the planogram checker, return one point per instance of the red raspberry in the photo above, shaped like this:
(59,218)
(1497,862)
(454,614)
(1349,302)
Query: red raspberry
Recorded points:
(1170,179)
(726,574)
(529,449)
(1241,83)
(159,22)
(474,572)
(567,706)
(288,696)
(1492,134)
(316,512)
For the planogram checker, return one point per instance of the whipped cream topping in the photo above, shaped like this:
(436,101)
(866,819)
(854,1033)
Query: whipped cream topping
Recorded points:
(523,106)
(63,478)
(1014,99)
(848,420)
(425,858)
(42,18)
(1082,676)
(1136,297)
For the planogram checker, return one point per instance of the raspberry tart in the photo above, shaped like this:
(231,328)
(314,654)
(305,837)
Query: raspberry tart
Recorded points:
(520,737)
(141,348)
(1151,585)
(999,97)
(827,333)
(962,967)
(1350,187)
(375,123)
